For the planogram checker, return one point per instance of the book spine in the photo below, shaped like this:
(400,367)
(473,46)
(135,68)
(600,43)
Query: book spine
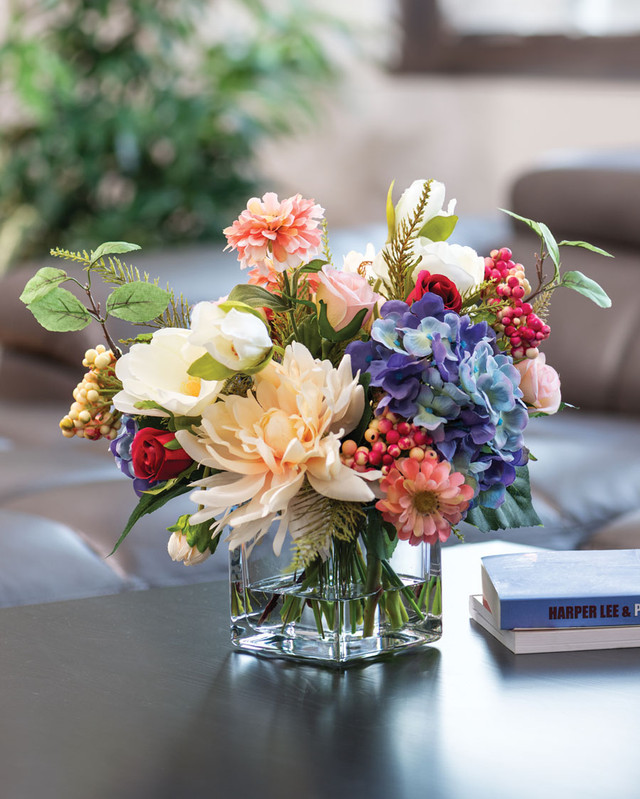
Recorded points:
(570,612)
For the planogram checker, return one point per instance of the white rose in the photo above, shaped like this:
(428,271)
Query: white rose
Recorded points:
(407,203)
(461,264)
(235,338)
(179,549)
(158,372)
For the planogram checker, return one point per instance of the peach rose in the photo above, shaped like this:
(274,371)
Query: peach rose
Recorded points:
(345,293)
(540,384)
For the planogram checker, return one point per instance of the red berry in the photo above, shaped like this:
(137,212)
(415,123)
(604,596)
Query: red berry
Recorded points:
(505,254)
(393,436)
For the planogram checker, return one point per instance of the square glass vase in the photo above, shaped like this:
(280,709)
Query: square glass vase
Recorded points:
(347,607)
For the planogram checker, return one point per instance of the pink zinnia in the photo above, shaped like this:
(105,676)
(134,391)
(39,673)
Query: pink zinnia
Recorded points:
(287,231)
(423,499)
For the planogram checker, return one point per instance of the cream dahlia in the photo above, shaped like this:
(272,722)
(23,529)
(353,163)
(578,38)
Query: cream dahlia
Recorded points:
(423,499)
(266,444)
(285,231)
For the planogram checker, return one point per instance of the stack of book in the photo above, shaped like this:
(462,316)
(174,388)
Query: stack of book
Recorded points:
(561,601)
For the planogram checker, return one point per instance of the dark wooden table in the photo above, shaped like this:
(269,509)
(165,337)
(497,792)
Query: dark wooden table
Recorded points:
(140,696)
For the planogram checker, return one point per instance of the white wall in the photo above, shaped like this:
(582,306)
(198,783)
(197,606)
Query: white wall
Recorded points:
(475,134)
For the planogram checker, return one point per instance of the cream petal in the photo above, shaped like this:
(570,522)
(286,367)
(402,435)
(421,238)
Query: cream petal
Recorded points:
(347,485)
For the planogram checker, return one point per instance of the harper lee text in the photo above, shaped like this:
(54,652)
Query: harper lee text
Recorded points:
(578,612)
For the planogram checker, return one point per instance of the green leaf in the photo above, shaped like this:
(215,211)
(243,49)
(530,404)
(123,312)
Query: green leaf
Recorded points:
(44,281)
(257,297)
(346,333)
(586,286)
(137,302)
(586,246)
(112,248)
(144,405)
(439,228)
(208,368)
(551,244)
(528,222)
(148,504)
(391,213)
(60,311)
(309,335)
(313,266)
(173,444)
(516,510)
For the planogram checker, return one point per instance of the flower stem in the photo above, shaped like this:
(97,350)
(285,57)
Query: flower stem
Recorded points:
(373,590)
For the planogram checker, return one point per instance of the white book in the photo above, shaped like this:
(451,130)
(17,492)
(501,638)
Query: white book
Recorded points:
(554,639)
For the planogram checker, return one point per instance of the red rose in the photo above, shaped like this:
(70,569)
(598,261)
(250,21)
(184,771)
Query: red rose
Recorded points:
(437,284)
(152,460)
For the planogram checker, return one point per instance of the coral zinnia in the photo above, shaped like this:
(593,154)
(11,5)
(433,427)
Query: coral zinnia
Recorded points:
(423,499)
(287,231)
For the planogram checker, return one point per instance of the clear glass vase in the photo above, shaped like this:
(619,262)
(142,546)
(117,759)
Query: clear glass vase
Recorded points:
(348,607)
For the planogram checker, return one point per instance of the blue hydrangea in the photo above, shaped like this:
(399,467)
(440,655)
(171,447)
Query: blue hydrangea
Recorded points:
(446,374)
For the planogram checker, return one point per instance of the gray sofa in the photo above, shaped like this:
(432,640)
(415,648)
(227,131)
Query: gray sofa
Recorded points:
(63,504)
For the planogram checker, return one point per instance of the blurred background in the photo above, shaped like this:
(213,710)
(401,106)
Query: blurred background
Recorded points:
(153,122)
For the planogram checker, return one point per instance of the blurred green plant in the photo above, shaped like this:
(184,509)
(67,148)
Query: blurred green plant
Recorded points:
(138,121)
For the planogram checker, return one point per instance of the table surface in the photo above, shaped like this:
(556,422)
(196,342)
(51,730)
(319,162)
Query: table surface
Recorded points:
(140,696)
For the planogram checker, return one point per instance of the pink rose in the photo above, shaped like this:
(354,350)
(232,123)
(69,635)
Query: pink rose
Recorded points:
(540,384)
(345,293)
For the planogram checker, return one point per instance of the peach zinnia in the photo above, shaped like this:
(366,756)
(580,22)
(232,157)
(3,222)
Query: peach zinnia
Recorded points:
(422,500)
(285,231)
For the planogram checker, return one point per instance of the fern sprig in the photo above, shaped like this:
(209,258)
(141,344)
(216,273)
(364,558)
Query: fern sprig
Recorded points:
(81,257)
(315,520)
(398,254)
(326,250)
(117,273)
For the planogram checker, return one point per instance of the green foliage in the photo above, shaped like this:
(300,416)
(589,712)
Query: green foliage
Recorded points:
(60,311)
(150,502)
(574,280)
(42,283)
(439,228)
(133,125)
(516,510)
(587,287)
(197,535)
(137,302)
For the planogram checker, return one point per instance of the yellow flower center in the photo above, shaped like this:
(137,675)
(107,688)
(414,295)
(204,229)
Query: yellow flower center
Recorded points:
(425,502)
(191,387)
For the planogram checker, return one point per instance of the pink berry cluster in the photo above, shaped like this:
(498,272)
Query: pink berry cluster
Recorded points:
(90,416)
(516,320)
(388,437)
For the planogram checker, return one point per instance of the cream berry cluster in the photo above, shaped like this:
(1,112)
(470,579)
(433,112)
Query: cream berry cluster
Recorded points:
(388,437)
(90,416)
(516,319)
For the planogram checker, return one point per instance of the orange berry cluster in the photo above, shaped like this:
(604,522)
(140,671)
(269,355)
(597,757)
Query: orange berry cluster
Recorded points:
(388,437)
(91,416)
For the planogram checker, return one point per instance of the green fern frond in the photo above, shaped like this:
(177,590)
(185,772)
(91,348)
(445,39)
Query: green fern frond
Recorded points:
(326,250)
(81,257)
(116,273)
(398,254)
(315,520)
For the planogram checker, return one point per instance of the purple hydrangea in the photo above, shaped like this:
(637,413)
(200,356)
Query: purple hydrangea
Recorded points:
(446,374)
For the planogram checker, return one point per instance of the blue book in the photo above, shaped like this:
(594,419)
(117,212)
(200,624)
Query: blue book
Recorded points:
(591,588)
